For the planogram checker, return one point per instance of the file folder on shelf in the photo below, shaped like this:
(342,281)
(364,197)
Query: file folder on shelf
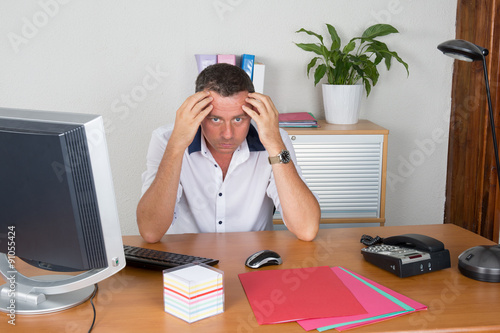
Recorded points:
(247,63)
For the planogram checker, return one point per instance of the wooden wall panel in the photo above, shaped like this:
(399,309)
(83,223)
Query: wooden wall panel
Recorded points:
(472,191)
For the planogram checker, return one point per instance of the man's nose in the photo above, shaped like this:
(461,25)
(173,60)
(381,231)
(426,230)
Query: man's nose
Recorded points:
(227,131)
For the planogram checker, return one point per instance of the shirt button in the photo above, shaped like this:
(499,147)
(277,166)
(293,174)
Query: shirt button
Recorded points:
(220,194)
(220,222)
(215,165)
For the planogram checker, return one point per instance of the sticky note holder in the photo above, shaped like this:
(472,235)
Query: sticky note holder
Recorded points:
(194,291)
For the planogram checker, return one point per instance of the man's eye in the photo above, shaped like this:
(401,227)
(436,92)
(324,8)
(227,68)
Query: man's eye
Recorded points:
(238,120)
(215,120)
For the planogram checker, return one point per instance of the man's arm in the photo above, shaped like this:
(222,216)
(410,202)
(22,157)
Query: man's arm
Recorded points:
(300,209)
(155,210)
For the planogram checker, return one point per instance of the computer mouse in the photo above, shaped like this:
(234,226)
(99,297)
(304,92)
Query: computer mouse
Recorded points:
(263,258)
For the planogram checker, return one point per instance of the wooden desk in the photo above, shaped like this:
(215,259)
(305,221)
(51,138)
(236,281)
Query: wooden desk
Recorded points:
(131,301)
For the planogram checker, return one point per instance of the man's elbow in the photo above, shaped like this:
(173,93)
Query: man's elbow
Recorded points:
(150,237)
(147,234)
(310,230)
(309,234)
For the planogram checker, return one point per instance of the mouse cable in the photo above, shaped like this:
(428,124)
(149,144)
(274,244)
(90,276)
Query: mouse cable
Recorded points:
(369,240)
(93,306)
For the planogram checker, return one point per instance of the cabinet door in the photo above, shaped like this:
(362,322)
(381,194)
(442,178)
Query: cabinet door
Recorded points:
(345,171)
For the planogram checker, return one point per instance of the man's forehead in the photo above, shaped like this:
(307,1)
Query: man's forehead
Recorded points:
(230,105)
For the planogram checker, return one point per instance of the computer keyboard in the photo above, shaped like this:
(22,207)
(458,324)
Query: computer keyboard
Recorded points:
(154,259)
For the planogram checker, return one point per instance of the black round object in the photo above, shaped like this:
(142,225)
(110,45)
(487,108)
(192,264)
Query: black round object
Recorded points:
(481,263)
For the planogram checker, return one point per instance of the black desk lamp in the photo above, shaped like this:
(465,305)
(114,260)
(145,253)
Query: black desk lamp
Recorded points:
(479,262)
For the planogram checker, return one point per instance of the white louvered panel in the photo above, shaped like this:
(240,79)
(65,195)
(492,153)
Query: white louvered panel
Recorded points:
(344,171)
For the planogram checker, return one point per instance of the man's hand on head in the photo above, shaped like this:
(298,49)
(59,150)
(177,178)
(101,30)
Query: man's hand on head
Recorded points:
(265,115)
(189,117)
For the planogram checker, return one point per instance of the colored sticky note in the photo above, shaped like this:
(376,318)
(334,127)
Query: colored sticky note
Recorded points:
(193,292)
(286,295)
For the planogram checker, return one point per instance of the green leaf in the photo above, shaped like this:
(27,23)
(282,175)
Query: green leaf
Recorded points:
(324,52)
(388,55)
(381,52)
(335,57)
(311,64)
(349,47)
(395,55)
(378,30)
(372,73)
(388,62)
(316,48)
(319,73)
(334,36)
(311,33)
(376,46)
(358,71)
(337,73)
(368,87)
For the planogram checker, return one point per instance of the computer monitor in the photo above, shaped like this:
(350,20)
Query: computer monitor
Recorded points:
(58,209)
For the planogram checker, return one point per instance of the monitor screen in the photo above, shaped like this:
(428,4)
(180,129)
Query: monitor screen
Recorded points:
(57,194)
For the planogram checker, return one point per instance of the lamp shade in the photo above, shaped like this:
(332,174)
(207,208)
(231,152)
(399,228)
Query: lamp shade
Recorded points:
(462,50)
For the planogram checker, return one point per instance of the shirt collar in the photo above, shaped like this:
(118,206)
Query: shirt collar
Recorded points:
(253,141)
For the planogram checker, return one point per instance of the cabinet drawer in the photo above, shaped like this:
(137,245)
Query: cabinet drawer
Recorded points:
(345,171)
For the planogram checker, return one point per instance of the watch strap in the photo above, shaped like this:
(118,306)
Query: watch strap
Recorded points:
(274,159)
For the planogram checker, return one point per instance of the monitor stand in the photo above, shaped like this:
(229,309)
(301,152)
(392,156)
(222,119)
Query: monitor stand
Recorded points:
(40,294)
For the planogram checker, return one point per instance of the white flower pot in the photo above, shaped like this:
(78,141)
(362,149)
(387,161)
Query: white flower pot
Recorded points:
(342,103)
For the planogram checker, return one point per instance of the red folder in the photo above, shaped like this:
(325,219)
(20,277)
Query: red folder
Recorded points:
(278,296)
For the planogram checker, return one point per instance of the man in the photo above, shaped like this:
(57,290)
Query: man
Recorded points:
(213,172)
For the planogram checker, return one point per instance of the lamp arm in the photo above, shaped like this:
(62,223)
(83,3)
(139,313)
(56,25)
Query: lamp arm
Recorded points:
(492,122)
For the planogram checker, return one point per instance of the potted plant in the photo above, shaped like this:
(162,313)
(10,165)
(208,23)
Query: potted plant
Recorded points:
(349,70)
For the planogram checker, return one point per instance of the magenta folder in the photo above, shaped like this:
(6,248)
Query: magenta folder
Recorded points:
(285,295)
(381,303)
(295,117)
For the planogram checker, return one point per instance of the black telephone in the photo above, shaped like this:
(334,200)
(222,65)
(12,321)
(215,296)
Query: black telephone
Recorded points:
(408,254)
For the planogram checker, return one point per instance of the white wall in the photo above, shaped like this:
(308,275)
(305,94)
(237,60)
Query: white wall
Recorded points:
(99,56)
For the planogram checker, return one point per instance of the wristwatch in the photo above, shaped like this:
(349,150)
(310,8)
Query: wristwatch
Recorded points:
(282,157)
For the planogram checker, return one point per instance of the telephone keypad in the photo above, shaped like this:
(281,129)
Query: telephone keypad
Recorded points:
(403,253)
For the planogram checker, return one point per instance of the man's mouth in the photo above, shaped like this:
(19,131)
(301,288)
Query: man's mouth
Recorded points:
(226,145)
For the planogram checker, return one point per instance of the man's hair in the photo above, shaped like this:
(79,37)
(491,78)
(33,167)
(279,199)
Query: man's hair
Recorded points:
(224,79)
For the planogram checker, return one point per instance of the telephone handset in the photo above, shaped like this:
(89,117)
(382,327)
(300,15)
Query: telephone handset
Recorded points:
(407,255)
(417,241)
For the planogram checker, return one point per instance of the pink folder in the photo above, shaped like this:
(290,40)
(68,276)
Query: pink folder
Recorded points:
(380,302)
(295,117)
(226,58)
(278,296)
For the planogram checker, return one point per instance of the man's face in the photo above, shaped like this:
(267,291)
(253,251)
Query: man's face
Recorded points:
(227,125)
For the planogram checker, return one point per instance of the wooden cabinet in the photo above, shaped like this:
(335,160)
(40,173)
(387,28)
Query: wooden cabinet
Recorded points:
(345,165)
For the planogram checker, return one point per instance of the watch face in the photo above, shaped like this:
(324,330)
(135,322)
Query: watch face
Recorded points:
(285,156)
